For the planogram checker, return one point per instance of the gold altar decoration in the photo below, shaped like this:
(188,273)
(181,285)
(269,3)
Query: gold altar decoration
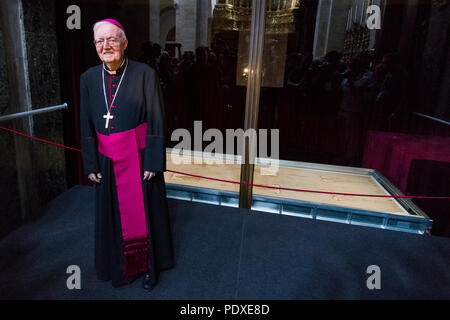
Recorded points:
(235,15)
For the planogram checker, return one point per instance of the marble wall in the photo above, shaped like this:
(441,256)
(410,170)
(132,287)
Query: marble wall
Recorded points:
(10,204)
(3,77)
(48,161)
(43,69)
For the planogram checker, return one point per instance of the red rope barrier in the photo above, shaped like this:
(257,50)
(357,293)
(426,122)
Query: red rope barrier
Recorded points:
(311,191)
(26,135)
(254,185)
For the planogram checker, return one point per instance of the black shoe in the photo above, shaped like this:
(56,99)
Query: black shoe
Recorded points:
(146,283)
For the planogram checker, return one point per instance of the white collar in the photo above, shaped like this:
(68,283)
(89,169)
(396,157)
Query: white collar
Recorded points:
(115,71)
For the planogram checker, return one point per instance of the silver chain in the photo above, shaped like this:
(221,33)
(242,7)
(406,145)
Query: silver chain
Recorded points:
(118,87)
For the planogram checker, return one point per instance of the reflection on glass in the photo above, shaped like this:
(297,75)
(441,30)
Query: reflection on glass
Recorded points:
(329,84)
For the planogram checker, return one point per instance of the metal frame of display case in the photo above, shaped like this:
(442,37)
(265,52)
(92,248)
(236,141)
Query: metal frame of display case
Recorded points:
(417,222)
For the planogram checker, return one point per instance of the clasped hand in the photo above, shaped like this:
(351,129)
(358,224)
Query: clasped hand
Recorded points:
(97,176)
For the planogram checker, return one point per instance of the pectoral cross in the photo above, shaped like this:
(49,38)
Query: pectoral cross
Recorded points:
(107,117)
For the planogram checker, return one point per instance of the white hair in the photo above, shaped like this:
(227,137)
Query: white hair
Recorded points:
(97,24)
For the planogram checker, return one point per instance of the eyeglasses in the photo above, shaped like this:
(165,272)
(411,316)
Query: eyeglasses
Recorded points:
(111,41)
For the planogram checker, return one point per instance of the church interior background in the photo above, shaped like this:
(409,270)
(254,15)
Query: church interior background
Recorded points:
(200,50)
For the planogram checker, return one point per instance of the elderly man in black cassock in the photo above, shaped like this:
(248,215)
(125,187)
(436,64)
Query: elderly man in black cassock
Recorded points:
(123,152)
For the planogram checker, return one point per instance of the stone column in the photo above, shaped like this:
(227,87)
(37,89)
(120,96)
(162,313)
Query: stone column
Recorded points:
(154,21)
(186,26)
(202,22)
(337,25)
(324,10)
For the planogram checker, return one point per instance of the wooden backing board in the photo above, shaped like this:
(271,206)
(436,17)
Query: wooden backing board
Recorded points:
(289,177)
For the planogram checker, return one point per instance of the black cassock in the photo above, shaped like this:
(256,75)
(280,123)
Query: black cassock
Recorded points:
(138,101)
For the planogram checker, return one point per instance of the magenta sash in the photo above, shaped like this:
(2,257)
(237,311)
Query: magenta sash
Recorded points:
(124,150)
